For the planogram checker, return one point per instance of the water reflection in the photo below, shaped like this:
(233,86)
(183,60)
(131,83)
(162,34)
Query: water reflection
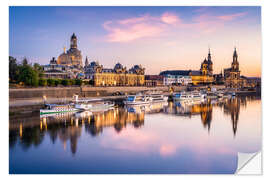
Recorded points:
(169,129)
(68,126)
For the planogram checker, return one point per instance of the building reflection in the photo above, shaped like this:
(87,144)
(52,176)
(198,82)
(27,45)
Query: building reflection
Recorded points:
(192,108)
(67,127)
(232,108)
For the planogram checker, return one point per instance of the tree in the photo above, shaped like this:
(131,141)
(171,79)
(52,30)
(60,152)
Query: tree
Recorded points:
(51,82)
(42,82)
(78,82)
(13,69)
(71,82)
(64,82)
(28,76)
(25,62)
(39,69)
(57,81)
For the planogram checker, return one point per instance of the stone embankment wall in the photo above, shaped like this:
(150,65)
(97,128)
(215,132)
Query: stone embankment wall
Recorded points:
(84,91)
(34,96)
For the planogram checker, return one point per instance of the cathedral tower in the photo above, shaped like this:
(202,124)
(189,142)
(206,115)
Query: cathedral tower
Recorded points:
(73,41)
(210,63)
(235,64)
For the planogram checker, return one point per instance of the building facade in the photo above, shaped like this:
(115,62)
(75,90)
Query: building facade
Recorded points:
(205,74)
(56,71)
(118,76)
(202,76)
(153,80)
(232,76)
(71,57)
(176,80)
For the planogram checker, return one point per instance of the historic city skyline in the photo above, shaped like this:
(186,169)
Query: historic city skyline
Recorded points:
(149,36)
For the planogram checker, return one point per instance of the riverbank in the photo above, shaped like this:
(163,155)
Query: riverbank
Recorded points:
(85,91)
(27,97)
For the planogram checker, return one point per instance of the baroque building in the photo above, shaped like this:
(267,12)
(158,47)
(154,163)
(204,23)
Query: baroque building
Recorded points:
(56,71)
(205,74)
(118,76)
(71,57)
(202,76)
(232,76)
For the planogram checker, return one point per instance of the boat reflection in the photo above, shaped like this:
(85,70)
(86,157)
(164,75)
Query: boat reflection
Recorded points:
(68,127)
(150,108)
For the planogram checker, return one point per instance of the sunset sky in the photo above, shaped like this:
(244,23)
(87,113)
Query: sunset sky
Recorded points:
(158,38)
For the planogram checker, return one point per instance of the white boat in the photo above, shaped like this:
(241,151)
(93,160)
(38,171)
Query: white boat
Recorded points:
(194,95)
(211,95)
(92,104)
(137,100)
(54,108)
(158,98)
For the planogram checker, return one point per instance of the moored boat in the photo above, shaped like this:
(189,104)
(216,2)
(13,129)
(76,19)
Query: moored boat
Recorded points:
(137,100)
(158,98)
(92,104)
(54,108)
(194,95)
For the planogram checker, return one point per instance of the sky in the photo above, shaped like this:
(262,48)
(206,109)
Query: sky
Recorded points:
(158,38)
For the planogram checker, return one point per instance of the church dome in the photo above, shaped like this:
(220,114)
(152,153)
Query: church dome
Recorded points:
(118,66)
(63,59)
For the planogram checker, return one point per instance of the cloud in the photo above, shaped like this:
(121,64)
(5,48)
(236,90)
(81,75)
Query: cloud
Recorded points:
(208,23)
(147,26)
(231,16)
(170,18)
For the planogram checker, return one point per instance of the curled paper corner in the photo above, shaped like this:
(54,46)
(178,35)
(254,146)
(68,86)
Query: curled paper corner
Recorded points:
(249,163)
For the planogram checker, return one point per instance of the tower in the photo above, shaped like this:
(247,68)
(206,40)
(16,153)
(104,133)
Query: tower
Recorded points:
(86,62)
(210,63)
(235,64)
(73,41)
(209,55)
(204,67)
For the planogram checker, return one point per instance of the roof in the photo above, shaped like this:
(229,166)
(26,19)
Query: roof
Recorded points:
(175,72)
(153,77)
(195,73)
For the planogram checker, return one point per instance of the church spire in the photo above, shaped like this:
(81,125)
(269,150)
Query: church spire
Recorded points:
(235,56)
(86,62)
(209,56)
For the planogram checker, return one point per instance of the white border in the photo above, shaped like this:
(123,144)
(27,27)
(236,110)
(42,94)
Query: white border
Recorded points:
(265,75)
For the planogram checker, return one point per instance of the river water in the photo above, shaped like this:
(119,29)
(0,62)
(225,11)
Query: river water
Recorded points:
(159,138)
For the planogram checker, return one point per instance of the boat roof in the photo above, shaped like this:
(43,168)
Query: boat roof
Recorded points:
(89,100)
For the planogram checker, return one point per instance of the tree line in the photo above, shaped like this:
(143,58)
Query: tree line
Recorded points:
(26,74)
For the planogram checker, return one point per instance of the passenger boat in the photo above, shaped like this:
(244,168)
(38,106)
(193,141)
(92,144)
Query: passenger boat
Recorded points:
(211,95)
(194,95)
(54,108)
(137,100)
(158,98)
(93,105)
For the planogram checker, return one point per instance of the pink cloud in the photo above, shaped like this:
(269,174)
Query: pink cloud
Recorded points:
(170,18)
(207,23)
(133,32)
(231,16)
(147,26)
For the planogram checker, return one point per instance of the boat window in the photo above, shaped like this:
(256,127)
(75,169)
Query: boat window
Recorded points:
(130,98)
